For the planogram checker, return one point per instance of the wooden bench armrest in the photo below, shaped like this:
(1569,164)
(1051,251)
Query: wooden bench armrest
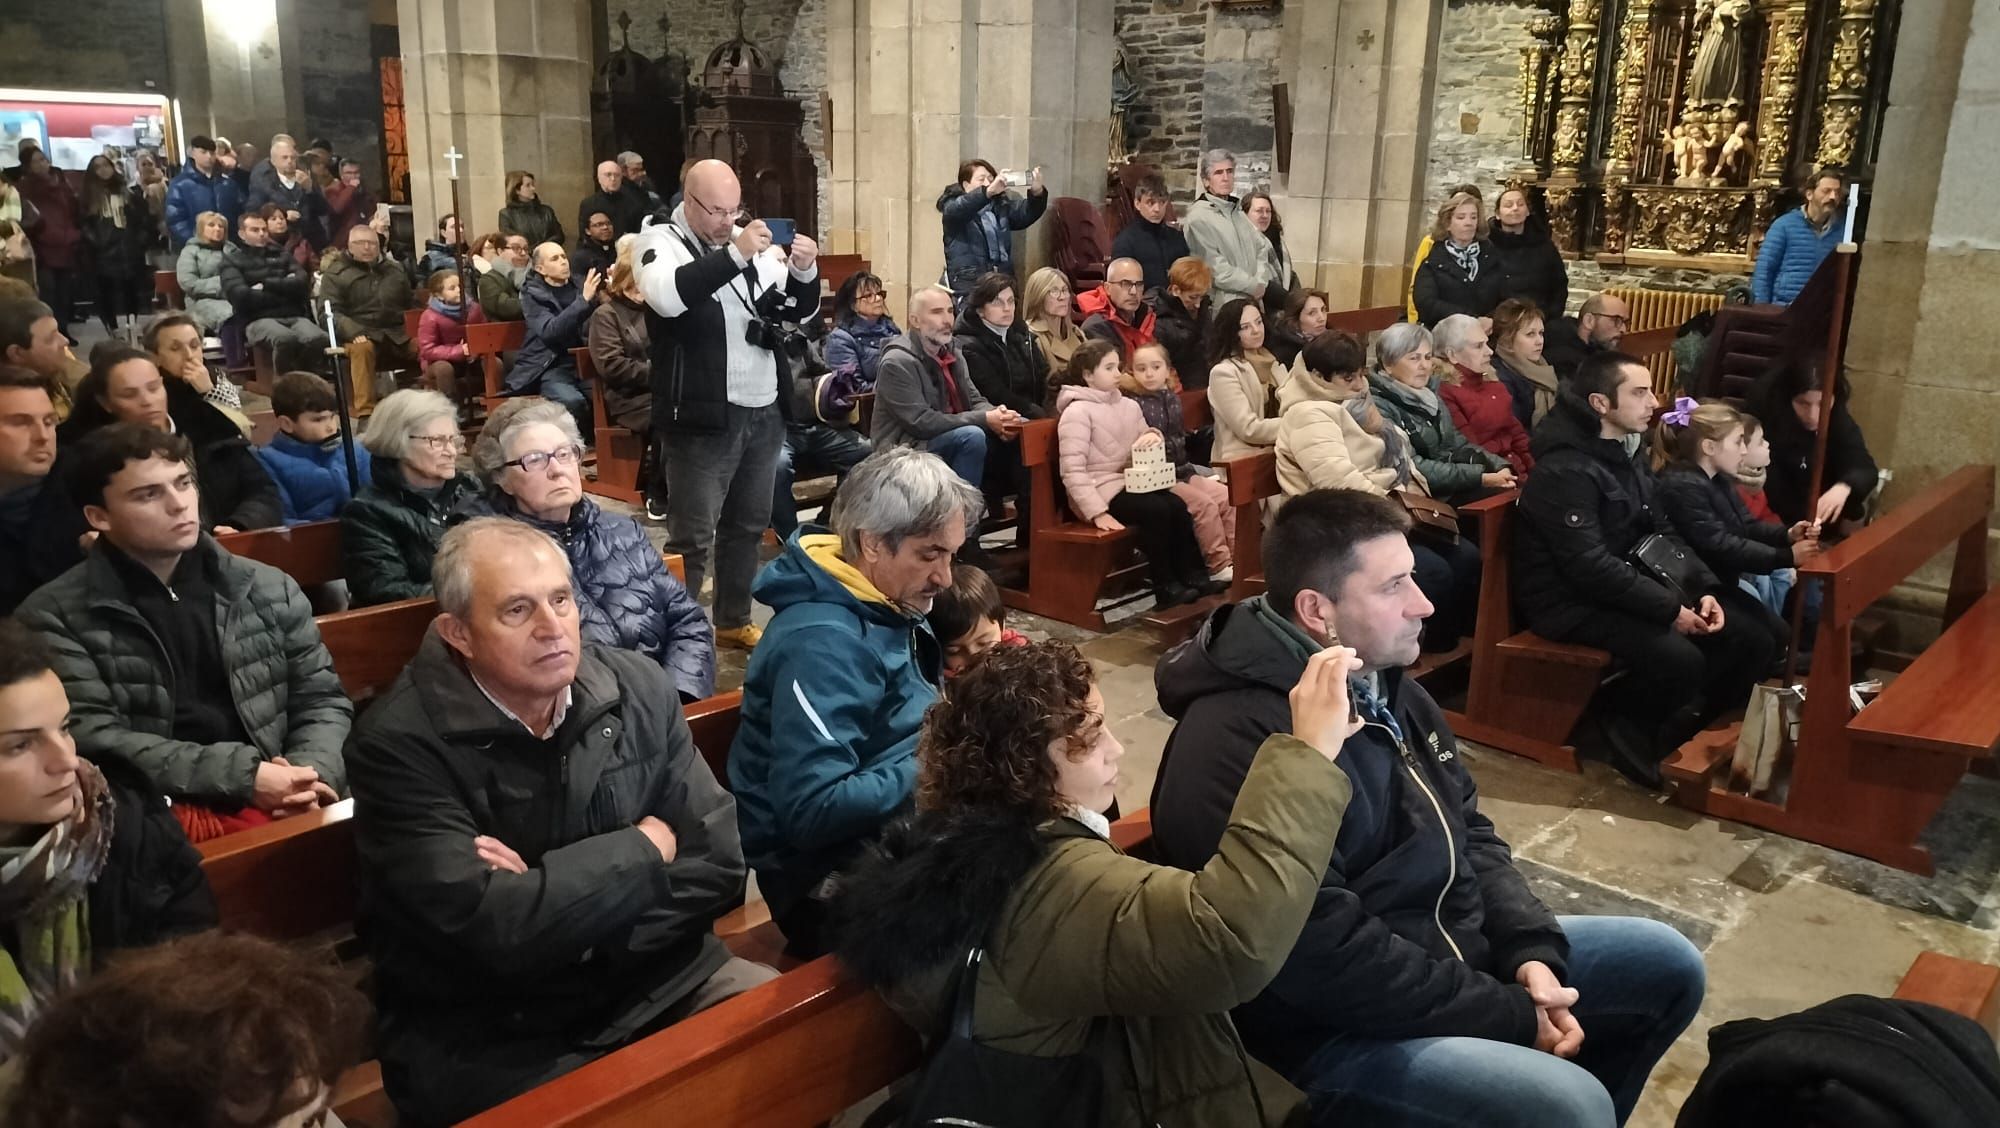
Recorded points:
(1959,986)
(1945,701)
(1869,564)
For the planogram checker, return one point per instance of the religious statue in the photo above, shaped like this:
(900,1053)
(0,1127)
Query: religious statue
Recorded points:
(1739,155)
(1674,143)
(1124,95)
(1694,158)
(1721,75)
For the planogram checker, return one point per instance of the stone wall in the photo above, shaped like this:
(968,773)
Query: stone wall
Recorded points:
(1204,78)
(340,87)
(1476,114)
(123,48)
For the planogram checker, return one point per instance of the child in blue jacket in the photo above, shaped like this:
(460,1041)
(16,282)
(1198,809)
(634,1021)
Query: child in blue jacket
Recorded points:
(305,456)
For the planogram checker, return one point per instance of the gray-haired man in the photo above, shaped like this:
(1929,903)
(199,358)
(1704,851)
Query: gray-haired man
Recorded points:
(1220,234)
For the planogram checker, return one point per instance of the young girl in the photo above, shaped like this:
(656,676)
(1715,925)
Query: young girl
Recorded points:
(1150,384)
(1097,429)
(441,338)
(1772,588)
(1702,448)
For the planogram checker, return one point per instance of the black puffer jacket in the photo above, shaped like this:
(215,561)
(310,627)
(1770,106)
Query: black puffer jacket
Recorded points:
(389,534)
(1530,266)
(43,544)
(1185,335)
(1154,246)
(1421,919)
(1710,516)
(1586,506)
(236,490)
(1441,287)
(1011,373)
(151,888)
(284,281)
(624,593)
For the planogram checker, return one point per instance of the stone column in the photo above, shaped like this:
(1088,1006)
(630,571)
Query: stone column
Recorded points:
(850,160)
(508,83)
(1361,95)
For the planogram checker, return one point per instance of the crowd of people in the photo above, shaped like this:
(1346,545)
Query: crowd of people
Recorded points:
(1332,923)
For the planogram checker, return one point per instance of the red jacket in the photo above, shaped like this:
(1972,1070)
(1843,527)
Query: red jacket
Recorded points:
(443,338)
(1483,409)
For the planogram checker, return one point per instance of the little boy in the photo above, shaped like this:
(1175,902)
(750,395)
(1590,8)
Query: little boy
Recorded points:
(969,620)
(1770,588)
(305,456)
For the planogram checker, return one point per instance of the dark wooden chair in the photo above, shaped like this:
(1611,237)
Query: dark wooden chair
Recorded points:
(308,553)
(167,290)
(1080,243)
(371,645)
(488,342)
(619,449)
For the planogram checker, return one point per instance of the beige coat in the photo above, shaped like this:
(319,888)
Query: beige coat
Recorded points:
(1238,398)
(1322,446)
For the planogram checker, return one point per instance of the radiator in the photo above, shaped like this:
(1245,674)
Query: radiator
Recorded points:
(1663,309)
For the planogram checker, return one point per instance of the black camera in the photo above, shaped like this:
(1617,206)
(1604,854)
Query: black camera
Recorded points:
(762,335)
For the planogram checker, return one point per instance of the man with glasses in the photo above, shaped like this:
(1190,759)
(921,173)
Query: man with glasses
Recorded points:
(1598,327)
(627,210)
(1122,317)
(718,291)
(500,280)
(597,247)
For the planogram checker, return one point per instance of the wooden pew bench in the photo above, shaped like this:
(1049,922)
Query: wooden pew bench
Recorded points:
(1959,986)
(619,449)
(308,553)
(370,646)
(1252,480)
(487,343)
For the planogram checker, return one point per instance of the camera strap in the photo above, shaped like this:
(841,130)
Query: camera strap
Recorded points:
(748,275)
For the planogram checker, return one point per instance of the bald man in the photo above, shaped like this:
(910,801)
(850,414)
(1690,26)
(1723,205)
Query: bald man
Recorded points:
(1122,316)
(718,290)
(627,210)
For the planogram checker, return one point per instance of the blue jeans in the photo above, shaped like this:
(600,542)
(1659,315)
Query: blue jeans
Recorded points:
(1639,984)
(560,385)
(820,449)
(964,450)
(1771,588)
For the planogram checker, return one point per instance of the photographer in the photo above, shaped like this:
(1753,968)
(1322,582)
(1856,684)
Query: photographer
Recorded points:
(717,292)
(980,218)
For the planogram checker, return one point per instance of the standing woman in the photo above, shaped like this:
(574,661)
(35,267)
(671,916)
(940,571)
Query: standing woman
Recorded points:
(1462,273)
(57,237)
(1007,871)
(1264,217)
(1531,268)
(117,228)
(526,215)
(1243,381)
(1047,305)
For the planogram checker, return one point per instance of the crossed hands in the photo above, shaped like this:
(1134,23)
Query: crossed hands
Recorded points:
(501,857)
(1556,1029)
(1703,620)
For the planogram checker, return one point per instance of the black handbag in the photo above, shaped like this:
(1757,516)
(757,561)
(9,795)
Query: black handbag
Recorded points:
(969,1085)
(1665,561)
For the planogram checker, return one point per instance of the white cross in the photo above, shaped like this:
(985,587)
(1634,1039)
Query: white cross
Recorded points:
(454,156)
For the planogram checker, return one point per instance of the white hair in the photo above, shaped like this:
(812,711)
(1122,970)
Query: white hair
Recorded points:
(901,492)
(1456,332)
(1212,158)
(489,454)
(451,568)
(402,414)
(919,296)
(1400,340)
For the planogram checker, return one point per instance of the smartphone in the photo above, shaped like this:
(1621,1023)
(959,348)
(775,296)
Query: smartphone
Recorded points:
(783,231)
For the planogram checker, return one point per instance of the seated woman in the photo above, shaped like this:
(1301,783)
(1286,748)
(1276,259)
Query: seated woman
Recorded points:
(1304,318)
(530,457)
(441,350)
(279,227)
(1181,319)
(174,339)
(1331,435)
(212,1029)
(125,385)
(1405,387)
(93,861)
(390,531)
(1787,401)
(1007,871)
(1048,307)
(1481,407)
(1518,362)
(199,272)
(1242,382)
(861,326)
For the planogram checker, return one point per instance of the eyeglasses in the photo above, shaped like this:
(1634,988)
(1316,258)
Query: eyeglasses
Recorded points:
(733,214)
(535,461)
(441,442)
(1126,284)
(522,246)
(871,296)
(1613,318)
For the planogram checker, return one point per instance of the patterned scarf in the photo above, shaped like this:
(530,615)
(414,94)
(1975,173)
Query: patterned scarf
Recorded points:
(1467,258)
(1395,445)
(42,899)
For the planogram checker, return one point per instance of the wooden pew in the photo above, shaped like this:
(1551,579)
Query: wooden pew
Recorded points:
(287,880)
(371,645)
(308,553)
(1869,784)
(1363,323)
(412,320)
(167,290)
(1252,480)
(486,342)
(619,449)
(712,721)
(1959,986)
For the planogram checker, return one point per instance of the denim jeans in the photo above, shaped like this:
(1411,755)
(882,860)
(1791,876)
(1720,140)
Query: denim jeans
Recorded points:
(821,450)
(560,385)
(719,497)
(1772,588)
(1639,984)
(964,450)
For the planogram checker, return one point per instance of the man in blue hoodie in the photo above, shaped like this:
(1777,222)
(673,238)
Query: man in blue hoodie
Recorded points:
(305,456)
(834,699)
(1798,241)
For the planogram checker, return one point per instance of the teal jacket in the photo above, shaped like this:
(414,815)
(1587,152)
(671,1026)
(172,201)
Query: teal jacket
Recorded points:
(833,701)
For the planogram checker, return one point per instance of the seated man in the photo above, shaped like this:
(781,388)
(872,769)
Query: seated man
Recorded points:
(1429,986)
(1598,327)
(1587,507)
(268,289)
(307,458)
(834,698)
(369,296)
(526,919)
(557,310)
(40,527)
(597,247)
(31,339)
(201,669)
(1121,315)
(924,397)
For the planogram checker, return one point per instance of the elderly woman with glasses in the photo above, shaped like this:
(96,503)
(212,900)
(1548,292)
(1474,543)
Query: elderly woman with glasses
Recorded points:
(390,531)
(530,456)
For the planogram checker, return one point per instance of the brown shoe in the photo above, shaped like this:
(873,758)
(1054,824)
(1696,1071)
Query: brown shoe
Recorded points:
(745,637)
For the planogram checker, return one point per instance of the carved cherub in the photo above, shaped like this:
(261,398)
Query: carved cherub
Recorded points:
(1674,143)
(1739,154)
(1692,157)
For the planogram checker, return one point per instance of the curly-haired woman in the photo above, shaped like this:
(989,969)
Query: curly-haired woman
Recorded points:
(1010,854)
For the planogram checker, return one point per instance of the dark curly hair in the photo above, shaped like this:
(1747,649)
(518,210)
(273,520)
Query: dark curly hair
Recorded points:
(212,1030)
(986,743)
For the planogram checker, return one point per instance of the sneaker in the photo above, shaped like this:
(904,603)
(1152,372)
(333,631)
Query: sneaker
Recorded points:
(1226,573)
(656,511)
(745,637)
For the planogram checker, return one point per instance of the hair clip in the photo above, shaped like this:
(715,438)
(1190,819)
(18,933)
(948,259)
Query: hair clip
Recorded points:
(1682,413)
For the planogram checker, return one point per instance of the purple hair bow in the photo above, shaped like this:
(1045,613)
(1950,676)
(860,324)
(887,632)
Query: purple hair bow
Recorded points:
(1682,413)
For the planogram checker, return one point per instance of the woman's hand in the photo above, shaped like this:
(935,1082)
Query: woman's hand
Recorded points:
(1832,502)
(1498,480)
(1322,715)
(196,374)
(1107,522)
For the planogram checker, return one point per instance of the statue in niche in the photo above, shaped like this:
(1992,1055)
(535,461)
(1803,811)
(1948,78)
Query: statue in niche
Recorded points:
(1721,76)
(1694,158)
(1124,95)
(1674,143)
(1739,155)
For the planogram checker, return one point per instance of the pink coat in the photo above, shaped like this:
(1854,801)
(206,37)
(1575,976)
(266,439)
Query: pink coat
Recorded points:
(1094,436)
(441,338)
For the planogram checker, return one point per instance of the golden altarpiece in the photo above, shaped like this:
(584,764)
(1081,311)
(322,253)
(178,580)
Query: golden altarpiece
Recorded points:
(1671,132)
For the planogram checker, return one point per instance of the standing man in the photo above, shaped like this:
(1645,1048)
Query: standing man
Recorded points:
(625,211)
(718,291)
(638,187)
(1599,326)
(1798,241)
(348,203)
(277,180)
(1220,234)
(202,186)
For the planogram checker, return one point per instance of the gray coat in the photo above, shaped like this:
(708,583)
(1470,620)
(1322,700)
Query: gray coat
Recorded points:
(910,397)
(199,271)
(121,691)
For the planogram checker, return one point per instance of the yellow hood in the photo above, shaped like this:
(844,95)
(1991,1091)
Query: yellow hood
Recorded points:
(823,549)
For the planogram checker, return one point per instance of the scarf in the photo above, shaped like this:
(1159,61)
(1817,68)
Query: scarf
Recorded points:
(1265,366)
(43,888)
(954,400)
(1536,372)
(455,311)
(1467,258)
(1395,444)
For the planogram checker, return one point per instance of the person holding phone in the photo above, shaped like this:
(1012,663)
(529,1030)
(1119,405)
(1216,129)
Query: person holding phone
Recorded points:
(1430,985)
(980,218)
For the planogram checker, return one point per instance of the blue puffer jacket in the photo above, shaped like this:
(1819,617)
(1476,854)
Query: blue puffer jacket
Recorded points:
(557,317)
(857,342)
(624,594)
(191,194)
(1792,251)
(971,247)
(312,479)
(832,704)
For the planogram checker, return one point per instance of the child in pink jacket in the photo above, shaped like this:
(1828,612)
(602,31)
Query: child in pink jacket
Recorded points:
(441,350)
(1150,385)
(1097,429)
